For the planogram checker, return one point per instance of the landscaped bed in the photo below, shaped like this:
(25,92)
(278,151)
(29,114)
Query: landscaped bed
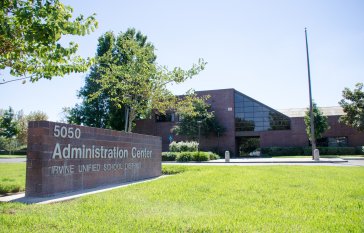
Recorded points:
(210,199)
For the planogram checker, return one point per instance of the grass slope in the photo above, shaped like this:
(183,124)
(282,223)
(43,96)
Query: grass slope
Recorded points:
(210,199)
(12,177)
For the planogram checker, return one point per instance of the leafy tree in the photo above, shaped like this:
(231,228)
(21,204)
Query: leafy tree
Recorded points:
(203,119)
(30,33)
(353,105)
(8,124)
(10,144)
(96,112)
(129,78)
(248,144)
(320,122)
(23,121)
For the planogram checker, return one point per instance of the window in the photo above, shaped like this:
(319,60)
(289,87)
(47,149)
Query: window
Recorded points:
(169,117)
(337,141)
(250,115)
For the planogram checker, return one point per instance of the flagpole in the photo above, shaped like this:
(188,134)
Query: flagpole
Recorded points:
(313,139)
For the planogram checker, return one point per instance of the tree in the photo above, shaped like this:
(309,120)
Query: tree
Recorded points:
(203,120)
(30,33)
(8,125)
(131,80)
(96,112)
(353,106)
(320,122)
(23,120)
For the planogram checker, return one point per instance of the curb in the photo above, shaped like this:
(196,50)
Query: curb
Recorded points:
(343,161)
(246,161)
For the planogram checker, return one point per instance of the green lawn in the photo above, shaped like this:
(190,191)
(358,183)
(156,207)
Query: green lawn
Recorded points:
(12,177)
(210,199)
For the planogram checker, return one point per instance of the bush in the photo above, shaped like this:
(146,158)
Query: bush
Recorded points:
(184,156)
(282,151)
(183,146)
(171,170)
(196,156)
(214,156)
(169,156)
(359,150)
(201,156)
(337,150)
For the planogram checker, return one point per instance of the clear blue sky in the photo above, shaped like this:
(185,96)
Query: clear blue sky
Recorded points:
(256,47)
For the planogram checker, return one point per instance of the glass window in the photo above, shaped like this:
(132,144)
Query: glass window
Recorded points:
(337,141)
(169,117)
(250,115)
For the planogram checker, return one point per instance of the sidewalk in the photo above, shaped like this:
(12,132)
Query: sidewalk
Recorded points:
(280,160)
(20,197)
(276,162)
(265,161)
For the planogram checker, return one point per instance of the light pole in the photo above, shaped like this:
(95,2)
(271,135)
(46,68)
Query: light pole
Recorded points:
(313,140)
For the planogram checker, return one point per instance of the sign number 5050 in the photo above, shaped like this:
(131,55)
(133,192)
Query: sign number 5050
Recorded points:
(66,132)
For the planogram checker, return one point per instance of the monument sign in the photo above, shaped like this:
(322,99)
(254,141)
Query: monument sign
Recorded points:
(63,158)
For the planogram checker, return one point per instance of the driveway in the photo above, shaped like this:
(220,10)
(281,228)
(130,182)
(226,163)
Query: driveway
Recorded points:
(15,160)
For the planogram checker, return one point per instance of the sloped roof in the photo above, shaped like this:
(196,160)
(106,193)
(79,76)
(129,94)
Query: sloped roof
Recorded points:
(300,112)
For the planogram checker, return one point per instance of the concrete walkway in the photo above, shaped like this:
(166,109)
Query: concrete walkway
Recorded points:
(278,161)
(15,160)
(67,196)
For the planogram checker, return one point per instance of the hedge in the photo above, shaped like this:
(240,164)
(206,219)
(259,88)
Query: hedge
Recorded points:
(189,156)
(183,146)
(333,151)
(17,152)
(169,156)
(275,151)
(283,151)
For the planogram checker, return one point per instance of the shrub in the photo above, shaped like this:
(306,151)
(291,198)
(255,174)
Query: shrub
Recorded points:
(332,150)
(189,156)
(171,170)
(201,156)
(169,156)
(183,146)
(282,151)
(359,150)
(184,157)
(337,150)
(213,156)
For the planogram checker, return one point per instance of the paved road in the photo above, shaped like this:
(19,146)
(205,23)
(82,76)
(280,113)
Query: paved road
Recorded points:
(16,160)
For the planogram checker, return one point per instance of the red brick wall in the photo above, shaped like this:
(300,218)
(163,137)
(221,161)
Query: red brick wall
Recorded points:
(220,101)
(49,172)
(297,135)
(355,138)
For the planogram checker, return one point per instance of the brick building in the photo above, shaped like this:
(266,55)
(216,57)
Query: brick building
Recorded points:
(245,118)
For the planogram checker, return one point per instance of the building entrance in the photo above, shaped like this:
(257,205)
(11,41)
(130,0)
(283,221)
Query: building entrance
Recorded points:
(248,146)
